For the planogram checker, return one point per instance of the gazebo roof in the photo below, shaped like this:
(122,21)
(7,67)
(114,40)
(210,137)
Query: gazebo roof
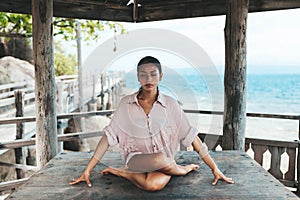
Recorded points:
(146,10)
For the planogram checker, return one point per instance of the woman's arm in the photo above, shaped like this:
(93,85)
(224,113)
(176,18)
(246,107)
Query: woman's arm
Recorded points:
(99,153)
(200,149)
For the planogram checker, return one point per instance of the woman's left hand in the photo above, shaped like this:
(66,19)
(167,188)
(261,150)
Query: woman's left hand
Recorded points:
(219,175)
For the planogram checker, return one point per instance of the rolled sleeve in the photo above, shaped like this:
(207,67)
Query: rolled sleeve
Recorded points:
(111,135)
(189,137)
(187,133)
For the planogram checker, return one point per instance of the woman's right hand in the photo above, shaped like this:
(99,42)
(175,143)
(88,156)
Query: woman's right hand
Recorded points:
(99,152)
(85,176)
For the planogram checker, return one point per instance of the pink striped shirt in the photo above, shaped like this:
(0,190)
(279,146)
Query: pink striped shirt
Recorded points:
(161,131)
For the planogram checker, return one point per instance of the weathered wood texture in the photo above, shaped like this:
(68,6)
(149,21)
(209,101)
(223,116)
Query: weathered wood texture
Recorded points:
(251,180)
(45,93)
(151,10)
(298,159)
(259,147)
(234,125)
(20,156)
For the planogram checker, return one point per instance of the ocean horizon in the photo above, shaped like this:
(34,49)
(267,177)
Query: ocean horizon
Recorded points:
(268,92)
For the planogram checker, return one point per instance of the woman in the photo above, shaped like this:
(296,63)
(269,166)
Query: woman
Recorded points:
(149,126)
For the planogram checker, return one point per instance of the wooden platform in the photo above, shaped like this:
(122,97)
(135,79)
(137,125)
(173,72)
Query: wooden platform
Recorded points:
(251,180)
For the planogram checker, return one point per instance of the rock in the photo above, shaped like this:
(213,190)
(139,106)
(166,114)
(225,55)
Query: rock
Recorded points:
(7,173)
(16,70)
(94,123)
(20,47)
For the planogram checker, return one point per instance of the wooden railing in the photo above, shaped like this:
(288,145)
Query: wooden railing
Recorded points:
(19,98)
(259,146)
(67,92)
(280,153)
(7,92)
(8,99)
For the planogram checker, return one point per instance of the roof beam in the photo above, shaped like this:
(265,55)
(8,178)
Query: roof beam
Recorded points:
(176,9)
(150,10)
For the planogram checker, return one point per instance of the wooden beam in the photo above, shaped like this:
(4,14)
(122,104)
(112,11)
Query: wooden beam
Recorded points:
(19,166)
(235,75)
(60,138)
(12,184)
(15,120)
(149,10)
(176,9)
(45,93)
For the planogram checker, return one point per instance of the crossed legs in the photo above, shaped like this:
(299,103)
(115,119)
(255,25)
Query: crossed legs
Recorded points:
(160,171)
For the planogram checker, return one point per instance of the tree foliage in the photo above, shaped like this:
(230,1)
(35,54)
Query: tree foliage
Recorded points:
(22,24)
(64,28)
(64,64)
(15,24)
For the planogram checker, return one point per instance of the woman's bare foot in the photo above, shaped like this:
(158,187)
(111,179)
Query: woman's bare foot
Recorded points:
(111,170)
(189,168)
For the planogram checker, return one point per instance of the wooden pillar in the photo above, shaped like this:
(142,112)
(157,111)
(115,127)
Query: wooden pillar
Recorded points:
(45,92)
(80,75)
(235,75)
(19,153)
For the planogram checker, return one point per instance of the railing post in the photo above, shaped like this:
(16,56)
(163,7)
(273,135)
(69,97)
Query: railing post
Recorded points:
(94,88)
(19,154)
(298,160)
(60,110)
(102,92)
(92,105)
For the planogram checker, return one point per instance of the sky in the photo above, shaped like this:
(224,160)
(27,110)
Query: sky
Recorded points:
(273,38)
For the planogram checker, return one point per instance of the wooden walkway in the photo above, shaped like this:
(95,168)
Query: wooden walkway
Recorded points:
(251,180)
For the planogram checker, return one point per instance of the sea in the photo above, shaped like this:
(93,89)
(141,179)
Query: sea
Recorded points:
(268,92)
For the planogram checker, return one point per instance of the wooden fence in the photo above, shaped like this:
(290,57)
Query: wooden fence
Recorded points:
(18,98)
(258,146)
(67,92)
(276,149)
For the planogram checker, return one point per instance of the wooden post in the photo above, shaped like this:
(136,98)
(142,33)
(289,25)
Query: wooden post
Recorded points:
(102,92)
(235,76)
(19,102)
(80,76)
(80,81)
(94,89)
(298,161)
(45,92)
(60,110)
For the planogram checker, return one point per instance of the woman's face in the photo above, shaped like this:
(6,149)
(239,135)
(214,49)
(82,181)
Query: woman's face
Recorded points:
(149,76)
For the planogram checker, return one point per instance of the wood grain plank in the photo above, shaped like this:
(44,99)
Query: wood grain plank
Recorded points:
(251,180)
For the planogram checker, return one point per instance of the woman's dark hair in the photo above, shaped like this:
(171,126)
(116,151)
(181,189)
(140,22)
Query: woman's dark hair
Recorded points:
(149,60)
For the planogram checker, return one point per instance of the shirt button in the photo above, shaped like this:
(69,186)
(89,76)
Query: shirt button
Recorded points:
(154,145)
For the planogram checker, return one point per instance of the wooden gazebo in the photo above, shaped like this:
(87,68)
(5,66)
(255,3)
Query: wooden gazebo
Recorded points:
(236,12)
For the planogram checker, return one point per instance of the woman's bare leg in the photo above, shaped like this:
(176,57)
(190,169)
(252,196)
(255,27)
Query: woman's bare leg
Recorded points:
(151,181)
(178,170)
(158,162)
(150,172)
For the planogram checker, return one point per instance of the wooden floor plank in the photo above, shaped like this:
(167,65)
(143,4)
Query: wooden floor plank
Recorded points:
(251,180)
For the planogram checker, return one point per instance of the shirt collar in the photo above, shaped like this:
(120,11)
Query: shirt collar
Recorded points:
(160,99)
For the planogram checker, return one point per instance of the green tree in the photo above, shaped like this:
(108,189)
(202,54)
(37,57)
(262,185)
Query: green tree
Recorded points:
(15,24)
(22,24)
(64,64)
